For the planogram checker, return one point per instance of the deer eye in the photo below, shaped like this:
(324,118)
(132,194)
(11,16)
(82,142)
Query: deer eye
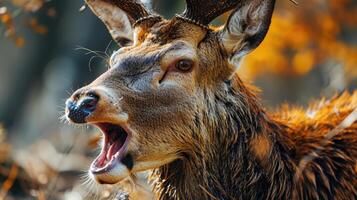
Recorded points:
(184,65)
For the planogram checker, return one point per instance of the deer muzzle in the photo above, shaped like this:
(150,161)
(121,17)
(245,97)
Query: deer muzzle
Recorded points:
(95,105)
(78,110)
(100,106)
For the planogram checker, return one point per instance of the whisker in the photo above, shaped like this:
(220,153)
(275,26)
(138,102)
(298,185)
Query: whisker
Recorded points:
(107,48)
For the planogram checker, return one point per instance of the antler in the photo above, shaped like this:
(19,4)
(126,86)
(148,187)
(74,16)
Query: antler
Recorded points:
(202,12)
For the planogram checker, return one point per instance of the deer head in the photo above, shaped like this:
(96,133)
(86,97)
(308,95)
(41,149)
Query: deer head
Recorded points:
(153,104)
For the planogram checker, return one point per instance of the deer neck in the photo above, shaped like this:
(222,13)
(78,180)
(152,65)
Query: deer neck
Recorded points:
(243,156)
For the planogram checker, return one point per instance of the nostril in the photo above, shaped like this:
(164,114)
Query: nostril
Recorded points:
(70,105)
(74,113)
(89,103)
(79,109)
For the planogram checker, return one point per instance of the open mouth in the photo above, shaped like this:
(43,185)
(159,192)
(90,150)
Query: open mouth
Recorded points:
(113,149)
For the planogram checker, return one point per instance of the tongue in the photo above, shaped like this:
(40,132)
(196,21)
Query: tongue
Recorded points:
(115,147)
(101,160)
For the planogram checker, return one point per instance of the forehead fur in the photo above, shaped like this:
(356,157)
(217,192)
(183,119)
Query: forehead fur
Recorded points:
(167,31)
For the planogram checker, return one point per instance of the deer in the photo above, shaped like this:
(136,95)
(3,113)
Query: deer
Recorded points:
(172,103)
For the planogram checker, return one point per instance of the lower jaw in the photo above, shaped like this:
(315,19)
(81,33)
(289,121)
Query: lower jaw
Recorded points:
(111,175)
(120,169)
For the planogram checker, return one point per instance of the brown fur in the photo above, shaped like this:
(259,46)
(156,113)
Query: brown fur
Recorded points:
(261,147)
(204,132)
(239,172)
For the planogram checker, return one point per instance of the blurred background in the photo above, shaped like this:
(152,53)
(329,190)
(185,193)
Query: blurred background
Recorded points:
(49,48)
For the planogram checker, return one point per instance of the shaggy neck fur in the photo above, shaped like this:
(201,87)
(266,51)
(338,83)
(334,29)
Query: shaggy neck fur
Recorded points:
(241,157)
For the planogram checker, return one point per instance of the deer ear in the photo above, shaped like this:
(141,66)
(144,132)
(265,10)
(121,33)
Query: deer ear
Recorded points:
(246,28)
(115,19)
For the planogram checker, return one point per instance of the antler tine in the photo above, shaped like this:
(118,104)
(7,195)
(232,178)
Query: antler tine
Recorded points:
(135,9)
(202,12)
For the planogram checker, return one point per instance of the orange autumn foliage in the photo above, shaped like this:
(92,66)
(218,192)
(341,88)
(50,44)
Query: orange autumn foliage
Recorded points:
(9,22)
(304,36)
(38,28)
(29,5)
(300,38)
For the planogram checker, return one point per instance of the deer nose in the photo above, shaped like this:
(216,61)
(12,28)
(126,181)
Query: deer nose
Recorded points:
(81,106)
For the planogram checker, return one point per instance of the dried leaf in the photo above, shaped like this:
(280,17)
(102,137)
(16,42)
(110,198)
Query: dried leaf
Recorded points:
(38,28)
(20,41)
(51,12)
(9,181)
(6,18)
